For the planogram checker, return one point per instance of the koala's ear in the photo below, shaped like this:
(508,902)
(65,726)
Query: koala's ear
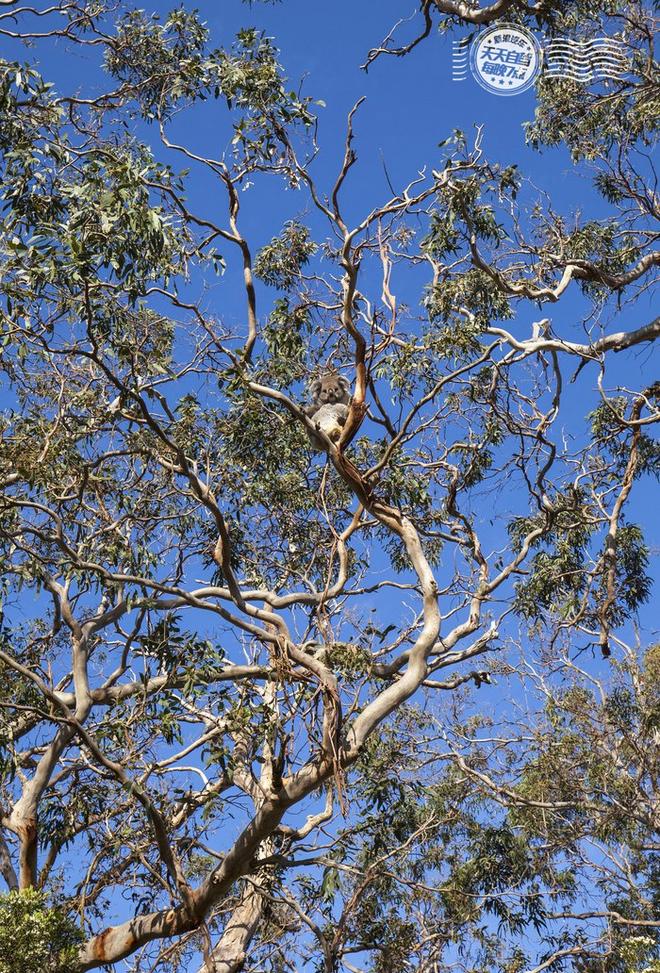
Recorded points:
(345,384)
(315,388)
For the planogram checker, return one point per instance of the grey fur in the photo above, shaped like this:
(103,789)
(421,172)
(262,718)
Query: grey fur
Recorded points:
(329,406)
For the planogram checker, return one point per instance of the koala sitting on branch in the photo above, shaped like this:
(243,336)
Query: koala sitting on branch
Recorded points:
(328,409)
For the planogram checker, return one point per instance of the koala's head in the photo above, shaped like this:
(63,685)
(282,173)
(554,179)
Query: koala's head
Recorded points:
(330,389)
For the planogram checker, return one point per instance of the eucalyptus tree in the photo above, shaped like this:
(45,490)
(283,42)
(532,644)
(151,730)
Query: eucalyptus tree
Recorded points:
(241,722)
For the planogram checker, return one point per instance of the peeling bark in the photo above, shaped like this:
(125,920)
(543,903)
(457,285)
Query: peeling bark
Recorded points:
(230,953)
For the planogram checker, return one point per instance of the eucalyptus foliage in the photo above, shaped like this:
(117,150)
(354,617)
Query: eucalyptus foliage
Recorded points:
(385,706)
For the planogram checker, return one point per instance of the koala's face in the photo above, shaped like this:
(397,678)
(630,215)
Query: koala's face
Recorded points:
(332,390)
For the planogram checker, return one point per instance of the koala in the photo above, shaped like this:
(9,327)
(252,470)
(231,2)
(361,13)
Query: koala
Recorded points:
(329,407)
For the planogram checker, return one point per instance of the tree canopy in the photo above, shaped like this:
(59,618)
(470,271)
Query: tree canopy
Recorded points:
(390,705)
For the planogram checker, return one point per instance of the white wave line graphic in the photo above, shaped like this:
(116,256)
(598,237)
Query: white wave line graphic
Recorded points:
(581,79)
(459,59)
(588,56)
(585,61)
(585,78)
(600,41)
(584,72)
(586,65)
(581,76)
(585,58)
(588,47)
(596,53)
(585,51)
(595,69)
(599,52)
(584,55)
